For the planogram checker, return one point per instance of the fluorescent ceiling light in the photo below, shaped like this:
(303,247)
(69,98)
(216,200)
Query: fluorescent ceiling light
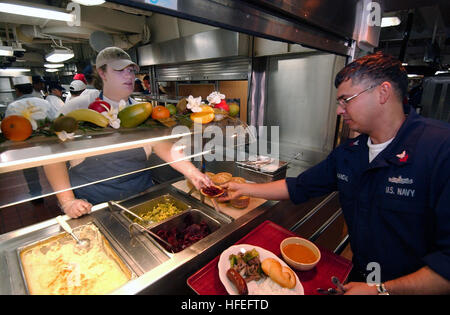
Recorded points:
(36,12)
(59,55)
(390,21)
(51,70)
(89,2)
(6,51)
(12,71)
(53,65)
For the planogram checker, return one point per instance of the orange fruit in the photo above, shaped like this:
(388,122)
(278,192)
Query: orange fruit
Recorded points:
(16,128)
(205,116)
(160,112)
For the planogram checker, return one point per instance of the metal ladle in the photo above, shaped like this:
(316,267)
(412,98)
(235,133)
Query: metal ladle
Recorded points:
(83,243)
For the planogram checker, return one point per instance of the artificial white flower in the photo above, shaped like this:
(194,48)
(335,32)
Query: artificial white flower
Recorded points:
(64,135)
(215,98)
(32,108)
(111,114)
(194,104)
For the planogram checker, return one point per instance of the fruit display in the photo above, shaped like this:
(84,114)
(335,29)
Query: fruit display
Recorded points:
(234,109)
(172,109)
(205,116)
(101,114)
(134,115)
(65,123)
(160,112)
(99,105)
(89,115)
(16,128)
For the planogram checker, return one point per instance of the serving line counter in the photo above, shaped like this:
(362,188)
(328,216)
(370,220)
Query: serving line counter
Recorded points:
(155,269)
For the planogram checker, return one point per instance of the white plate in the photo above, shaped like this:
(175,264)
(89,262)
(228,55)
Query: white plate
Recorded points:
(254,287)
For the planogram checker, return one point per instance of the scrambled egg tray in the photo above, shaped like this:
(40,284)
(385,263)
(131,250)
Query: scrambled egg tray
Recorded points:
(56,266)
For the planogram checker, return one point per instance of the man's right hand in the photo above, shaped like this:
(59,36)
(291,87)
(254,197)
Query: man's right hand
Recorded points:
(234,191)
(75,208)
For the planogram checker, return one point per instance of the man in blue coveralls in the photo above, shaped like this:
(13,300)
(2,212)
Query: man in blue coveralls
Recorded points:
(393,182)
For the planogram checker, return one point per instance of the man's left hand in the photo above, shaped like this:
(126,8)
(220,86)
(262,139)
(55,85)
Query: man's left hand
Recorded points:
(360,288)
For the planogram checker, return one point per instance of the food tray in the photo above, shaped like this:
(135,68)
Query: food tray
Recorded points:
(58,251)
(144,207)
(264,165)
(179,222)
(269,235)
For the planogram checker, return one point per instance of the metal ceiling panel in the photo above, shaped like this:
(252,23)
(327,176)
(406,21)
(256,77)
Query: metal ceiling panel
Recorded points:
(246,17)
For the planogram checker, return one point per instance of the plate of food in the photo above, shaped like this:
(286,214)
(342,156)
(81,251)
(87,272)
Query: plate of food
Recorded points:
(248,269)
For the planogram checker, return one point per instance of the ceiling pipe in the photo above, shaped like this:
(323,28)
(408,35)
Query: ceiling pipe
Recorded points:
(406,35)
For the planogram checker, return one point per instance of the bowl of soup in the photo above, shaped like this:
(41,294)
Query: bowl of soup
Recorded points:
(299,253)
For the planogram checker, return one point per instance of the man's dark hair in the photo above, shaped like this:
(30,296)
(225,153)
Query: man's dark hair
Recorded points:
(24,88)
(76,93)
(147,77)
(377,68)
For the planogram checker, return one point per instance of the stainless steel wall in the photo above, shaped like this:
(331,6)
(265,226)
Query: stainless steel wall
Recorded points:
(301,100)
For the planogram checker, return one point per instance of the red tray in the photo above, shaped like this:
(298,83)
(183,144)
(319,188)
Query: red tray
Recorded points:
(269,235)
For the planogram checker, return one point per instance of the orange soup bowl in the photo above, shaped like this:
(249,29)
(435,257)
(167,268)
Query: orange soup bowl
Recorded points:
(300,253)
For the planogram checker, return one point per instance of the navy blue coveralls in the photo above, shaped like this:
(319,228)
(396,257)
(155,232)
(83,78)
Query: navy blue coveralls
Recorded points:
(397,208)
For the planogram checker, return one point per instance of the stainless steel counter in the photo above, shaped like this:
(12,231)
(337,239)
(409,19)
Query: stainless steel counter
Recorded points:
(151,263)
(158,271)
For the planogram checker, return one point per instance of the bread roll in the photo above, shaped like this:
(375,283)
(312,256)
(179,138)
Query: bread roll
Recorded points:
(282,275)
(239,180)
(241,202)
(221,178)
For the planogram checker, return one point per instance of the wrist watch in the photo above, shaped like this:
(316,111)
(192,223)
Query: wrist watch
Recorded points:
(381,288)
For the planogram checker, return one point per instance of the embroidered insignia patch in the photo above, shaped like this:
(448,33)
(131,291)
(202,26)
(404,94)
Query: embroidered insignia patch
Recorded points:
(403,157)
(400,180)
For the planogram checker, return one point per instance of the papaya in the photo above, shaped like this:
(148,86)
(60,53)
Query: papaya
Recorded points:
(134,115)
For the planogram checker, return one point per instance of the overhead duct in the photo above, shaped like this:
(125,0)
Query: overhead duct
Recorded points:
(213,44)
(99,40)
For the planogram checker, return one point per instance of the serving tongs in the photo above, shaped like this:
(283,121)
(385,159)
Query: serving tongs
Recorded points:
(144,221)
(140,227)
(192,190)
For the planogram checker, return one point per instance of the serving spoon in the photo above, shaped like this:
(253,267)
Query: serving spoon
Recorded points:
(83,243)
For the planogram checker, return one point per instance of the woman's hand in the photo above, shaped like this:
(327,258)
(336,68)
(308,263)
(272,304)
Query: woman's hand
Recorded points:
(199,179)
(75,208)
